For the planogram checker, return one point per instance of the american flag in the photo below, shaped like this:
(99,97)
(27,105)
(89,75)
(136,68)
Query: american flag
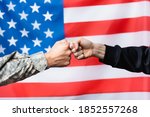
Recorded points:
(30,26)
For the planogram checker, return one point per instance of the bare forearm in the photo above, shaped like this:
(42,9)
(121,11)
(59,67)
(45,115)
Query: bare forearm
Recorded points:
(99,51)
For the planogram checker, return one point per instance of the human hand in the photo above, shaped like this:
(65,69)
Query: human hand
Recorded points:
(83,48)
(59,55)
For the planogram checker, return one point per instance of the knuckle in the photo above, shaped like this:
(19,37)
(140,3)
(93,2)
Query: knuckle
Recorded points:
(64,42)
(69,58)
(68,52)
(67,63)
(81,56)
(80,52)
(80,48)
(78,57)
(76,54)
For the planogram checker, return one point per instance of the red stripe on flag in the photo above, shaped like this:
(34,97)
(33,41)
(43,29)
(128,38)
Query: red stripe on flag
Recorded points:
(78,3)
(107,27)
(84,62)
(141,84)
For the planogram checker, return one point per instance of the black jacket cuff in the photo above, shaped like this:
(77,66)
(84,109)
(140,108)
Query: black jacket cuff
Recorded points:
(110,55)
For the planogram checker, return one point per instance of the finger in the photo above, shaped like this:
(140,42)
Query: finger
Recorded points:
(68,52)
(79,48)
(76,50)
(66,44)
(66,63)
(69,58)
(81,56)
(64,41)
(71,45)
(78,53)
(80,41)
(75,47)
(76,44)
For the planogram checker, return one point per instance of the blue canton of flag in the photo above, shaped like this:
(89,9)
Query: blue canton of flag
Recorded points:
(30,26)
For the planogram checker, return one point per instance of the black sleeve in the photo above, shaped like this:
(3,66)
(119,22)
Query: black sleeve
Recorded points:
(135,59)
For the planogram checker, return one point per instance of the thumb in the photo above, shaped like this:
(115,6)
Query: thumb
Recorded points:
(74,46)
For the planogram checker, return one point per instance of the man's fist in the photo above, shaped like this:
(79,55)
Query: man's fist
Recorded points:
(83,48)
(59,55)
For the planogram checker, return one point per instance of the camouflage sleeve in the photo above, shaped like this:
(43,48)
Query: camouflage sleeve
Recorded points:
(16,67)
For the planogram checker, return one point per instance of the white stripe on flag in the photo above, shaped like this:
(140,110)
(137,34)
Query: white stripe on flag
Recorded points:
(123,39)
(106,12)
(85,73)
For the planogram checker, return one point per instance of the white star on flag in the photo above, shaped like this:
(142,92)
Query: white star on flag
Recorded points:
(49,33)
(35,8)
(48,16)
(47,49)
(36,25)
(47,1)
(37,42)
(2,32)
(24,33)
(12,41)
(25,50)
(12,24)
(22,1)
(2,49)
(11,6)
(1,14)
(23,15)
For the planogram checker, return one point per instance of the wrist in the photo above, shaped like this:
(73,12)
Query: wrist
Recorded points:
(99,50)
(49,59)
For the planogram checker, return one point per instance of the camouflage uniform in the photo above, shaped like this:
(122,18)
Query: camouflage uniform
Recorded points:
(16,67)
